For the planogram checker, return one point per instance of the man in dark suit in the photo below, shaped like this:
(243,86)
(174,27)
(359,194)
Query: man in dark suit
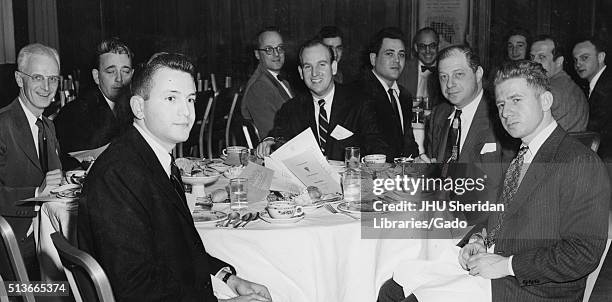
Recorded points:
(267,90)
(97,116)
(392,103)
(590,64)
(133,218)
(420,76)
(332,37)
(552,232)
(29,161)
(338,117)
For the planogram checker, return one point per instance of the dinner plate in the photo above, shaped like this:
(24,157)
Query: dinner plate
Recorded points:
(201,180)
(266,217)
(208,217)
(344,207)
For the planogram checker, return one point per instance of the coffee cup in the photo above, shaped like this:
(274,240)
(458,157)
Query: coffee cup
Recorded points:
(232,154)
(374,159)
(284,209)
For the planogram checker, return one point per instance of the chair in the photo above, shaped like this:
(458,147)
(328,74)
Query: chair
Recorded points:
(205,120)
(592,278)
(230,116)
(250,132)
(15,269)
(89,279)
(588,138)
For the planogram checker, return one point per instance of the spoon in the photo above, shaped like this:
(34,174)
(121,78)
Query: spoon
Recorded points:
(253,218)
(246,217)
(230,217)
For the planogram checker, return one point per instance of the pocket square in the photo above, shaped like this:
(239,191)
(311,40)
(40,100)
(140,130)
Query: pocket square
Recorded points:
(488,147)
(341,133)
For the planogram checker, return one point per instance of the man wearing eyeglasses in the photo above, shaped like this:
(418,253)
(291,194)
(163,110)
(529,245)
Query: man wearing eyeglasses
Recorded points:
(267,89)
(100,114)
(29,161)
(420,76)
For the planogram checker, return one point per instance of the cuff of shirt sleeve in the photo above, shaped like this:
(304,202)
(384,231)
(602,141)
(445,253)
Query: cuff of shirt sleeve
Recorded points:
(510,270)
(36,192)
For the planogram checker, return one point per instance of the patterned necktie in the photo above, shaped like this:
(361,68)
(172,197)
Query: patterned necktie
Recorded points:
(396,112)
(42,146)
(175,177)
(511,184)
(323,126)
(453,142)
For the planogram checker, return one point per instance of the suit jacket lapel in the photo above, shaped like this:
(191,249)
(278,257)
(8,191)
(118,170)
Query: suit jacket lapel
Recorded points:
(537,171)
(442,134)
(339,111)
(160,177)
(480,124)
(22,128)
(277,84)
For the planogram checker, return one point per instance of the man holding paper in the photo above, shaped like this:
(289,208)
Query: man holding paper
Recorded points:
(337,116)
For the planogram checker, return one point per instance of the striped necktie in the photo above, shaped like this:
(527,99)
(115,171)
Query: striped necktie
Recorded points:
(511,184)
(323,126)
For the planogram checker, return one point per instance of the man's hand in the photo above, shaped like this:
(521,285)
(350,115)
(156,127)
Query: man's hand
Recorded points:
(423,158)
(263,149)
(51,181)
(247,290)
(488,266)
(469,250)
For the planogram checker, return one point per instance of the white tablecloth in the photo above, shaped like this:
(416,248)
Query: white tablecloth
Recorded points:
(320,258)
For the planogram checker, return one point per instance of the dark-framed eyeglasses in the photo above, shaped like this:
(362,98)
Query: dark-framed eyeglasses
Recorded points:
(39,78)
(422,46)
(270,50)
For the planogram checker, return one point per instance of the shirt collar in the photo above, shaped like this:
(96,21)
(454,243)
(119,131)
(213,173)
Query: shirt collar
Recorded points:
(394,86)
(539,140)
(110,103)
(29,115)
(593,81)
(419,68)
(162,154)
(329,98)
(470,109)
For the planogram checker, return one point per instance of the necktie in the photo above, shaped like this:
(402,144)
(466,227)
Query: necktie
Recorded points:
(323,125)
(175,177)
(396,112)
(283,80)
(511,184)
(42,146)
(431,68)
(454,139)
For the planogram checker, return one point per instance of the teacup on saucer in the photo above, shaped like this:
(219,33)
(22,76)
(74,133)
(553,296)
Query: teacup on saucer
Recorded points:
(284,209)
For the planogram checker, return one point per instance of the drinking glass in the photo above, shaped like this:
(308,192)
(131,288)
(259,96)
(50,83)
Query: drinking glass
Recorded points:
(351,186)
(352,157)
(238,194)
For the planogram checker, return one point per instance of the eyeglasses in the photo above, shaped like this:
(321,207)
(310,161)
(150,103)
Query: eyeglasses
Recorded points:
(422,46)
(270,50)
(38,78)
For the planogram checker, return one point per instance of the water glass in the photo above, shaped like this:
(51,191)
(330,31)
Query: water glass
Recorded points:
(238,194)
(352,157)
(351,187)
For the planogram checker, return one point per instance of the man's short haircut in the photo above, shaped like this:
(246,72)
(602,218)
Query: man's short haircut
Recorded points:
(141,84)
(265,29)
(314,42)
(423,31)
(470,55)
(600,45)
(35,49)
(557,50)
(532,72)
(112,45)
(330,31)
(387,32)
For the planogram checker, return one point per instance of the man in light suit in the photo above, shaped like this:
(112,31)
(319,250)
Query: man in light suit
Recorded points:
(267,90)
(100,114)
(552,232)
(420,75)
(338,117)
(29,161)
(392,103)
(133,217)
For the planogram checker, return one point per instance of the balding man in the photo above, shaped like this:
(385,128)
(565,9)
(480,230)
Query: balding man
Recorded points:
(29,161)
(266,90)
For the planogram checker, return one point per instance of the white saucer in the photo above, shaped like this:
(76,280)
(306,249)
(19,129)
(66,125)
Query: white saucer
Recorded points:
(208,217)
(344,207)
(266,217)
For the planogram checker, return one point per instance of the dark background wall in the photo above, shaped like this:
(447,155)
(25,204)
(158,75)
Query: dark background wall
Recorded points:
(217,33)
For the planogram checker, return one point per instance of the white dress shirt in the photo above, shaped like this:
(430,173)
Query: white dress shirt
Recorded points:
(275,76)
(329,98)
(594,80)
(467,116)
(423,77)
(396,91)
(32,122)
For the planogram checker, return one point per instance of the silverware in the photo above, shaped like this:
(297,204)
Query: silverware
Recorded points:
(232,216)
(253,218)
(245,218)
(331,208)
